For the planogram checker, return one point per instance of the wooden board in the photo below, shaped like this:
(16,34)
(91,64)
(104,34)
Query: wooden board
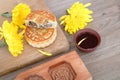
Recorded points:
(30,55)
(66,67)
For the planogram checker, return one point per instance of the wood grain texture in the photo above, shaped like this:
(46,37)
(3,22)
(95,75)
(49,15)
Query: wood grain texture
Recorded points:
(65,67)
(104,62)
(30,55)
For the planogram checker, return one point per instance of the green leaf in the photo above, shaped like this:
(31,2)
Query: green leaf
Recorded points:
(3,43)
(7,15)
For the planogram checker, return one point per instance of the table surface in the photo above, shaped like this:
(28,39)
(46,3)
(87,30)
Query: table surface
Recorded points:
(104,62)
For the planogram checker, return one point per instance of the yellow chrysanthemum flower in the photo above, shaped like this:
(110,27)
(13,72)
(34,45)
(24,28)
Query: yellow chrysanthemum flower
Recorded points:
(19,13)
(9,31)
(78,17)
(13,38)
(1,34)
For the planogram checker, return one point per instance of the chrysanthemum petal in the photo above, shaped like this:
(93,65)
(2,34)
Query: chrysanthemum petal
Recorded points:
(87,5)
(19,13)
(78,17)
(13,40)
